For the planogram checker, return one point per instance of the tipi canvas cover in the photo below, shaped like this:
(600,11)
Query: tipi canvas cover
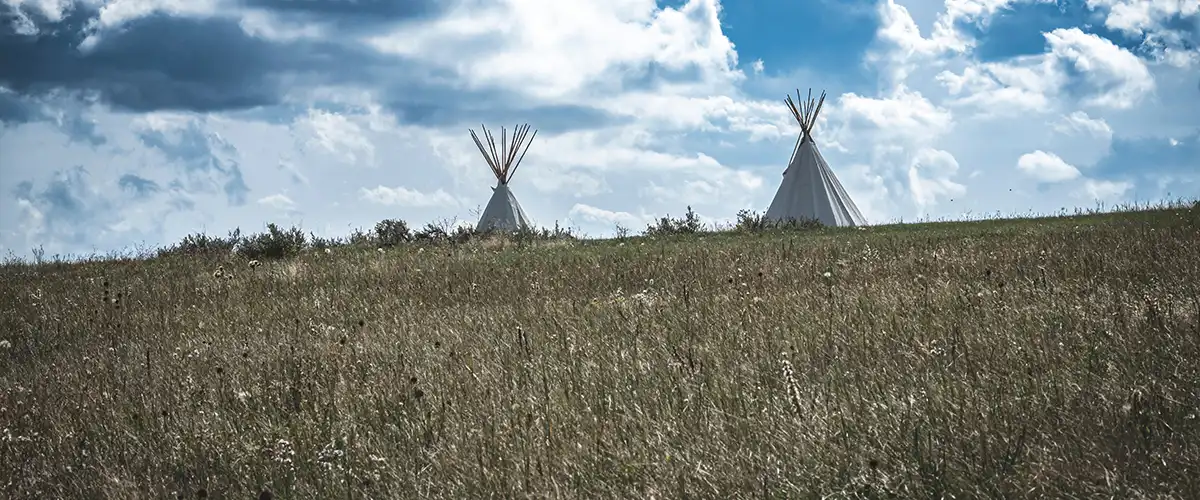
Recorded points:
(809,189)
(503,212)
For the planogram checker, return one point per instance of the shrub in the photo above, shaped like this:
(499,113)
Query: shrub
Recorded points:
(749,221)
(360,238)
(392,232)
(200,243)
(431,233)
(543,234)
(276,243)
(689,224)
(321,243)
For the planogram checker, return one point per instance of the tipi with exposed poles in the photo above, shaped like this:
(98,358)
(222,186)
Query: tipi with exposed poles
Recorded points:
(503,213)
(809,189)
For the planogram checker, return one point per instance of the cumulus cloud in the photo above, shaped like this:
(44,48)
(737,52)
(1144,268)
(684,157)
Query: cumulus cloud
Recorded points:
(1094,190)
(1115,77)
(1170,30)
(1046,167)
(278,201)
(904,115)
(600,216)
(1078,122)
(402,196)
(213,114)
(206,161)
(570,49)
(930,177)
(1082,65)
(337,135)
(66,209)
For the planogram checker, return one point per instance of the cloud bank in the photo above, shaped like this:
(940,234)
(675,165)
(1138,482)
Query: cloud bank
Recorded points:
(136,122)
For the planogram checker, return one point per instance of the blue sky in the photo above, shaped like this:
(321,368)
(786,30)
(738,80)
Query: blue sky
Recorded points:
(132,123)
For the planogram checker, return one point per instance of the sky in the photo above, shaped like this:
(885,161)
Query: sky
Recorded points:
(128,124)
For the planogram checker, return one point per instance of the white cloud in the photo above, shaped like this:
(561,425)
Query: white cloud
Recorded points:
(929,177)
(1103,190)
(338,135)
(566,48)
(32,224)
(278,201)
(1080,122)
(1111,76)
(904,115)
(1119,78)
(681,123)
(1152,19)
(403,196)
(1007,89)
(116,13)
(600,216)
(1046,167)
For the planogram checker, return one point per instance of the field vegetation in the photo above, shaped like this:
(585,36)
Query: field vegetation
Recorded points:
(1055,357)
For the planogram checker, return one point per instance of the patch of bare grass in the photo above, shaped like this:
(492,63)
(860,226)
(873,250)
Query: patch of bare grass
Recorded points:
(1008,361)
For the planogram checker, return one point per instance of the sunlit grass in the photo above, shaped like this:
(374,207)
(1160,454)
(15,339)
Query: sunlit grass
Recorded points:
(1053,358)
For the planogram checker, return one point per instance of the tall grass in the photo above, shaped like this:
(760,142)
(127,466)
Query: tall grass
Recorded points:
(1055,358)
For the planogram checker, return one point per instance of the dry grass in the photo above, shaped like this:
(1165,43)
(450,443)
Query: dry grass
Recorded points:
(1016,359)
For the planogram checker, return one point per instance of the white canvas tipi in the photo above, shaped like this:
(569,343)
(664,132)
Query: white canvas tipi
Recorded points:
(503,213)
(809,189)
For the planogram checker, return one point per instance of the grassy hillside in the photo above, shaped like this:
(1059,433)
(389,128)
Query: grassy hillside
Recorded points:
(1046,358)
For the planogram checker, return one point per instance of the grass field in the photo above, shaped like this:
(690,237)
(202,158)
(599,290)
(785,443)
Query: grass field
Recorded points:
(1053,358)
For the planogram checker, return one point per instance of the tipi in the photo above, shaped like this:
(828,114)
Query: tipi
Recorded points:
(503,213)
(809,189)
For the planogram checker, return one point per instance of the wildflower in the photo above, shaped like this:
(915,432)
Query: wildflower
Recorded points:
(380,249)
(328,251)
(827,275)
(5,344)
(254,263)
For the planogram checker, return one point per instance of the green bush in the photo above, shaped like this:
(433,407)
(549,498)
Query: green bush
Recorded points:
(689,224)
(392,232)
(201,244)
(748,221)
(276,243)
